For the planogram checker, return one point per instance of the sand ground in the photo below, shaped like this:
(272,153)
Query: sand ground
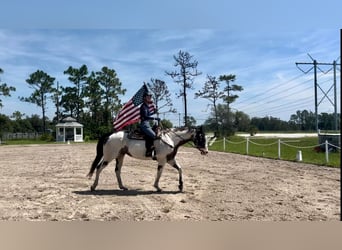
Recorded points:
(48,183)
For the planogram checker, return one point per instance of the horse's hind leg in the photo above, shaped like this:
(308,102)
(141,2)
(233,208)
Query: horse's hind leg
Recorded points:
(98,172)
(118,166)
(174,164)
(159,173)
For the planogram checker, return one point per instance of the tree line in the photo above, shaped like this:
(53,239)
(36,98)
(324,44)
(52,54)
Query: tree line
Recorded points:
(93,98)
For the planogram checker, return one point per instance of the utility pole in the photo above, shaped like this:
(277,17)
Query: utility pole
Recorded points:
(335,93)
(316,86)
(57,102)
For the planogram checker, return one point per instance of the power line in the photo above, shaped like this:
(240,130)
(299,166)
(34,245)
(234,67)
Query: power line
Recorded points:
(289,106)
(285,106)
(316,85)
(272,88)
(273,97)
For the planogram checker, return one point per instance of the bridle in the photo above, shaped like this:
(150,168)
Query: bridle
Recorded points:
(183,139)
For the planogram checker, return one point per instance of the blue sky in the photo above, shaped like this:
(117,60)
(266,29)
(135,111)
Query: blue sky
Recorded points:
(258,41)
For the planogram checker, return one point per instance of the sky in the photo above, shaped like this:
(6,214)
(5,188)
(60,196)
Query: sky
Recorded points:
(258,41)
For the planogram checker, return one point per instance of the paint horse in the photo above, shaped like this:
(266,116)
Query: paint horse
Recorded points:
(118,144)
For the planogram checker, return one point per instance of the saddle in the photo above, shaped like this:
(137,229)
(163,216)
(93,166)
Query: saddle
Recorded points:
(137,134)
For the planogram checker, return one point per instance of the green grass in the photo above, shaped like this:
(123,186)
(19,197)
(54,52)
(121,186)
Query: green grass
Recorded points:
(268,147)
(26,141)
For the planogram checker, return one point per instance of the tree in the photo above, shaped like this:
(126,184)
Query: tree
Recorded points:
(230,98)
(42,84)
(101,99)
(166,123)
(4,89)
(56,99)
(211,91)
(36,122)
(185,76)
(269,123)
(242,121)
(69,95)
(190,121)
(20,124)
(111,85)
(79,78)
(305,120)
(93,119)
(93,93)
(161,96)
(327,121)
(17,115)
(225,120)
(5,125)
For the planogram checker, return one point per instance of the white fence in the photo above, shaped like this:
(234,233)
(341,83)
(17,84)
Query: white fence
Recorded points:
(15,136)
(328,147)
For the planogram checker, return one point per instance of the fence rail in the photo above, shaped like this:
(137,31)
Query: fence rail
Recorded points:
(15,136)
(326,146)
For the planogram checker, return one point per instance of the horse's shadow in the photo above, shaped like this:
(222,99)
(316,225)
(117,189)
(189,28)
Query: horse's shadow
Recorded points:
(119,192)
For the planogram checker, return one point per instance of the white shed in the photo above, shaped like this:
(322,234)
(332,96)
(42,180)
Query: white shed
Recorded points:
(69,130)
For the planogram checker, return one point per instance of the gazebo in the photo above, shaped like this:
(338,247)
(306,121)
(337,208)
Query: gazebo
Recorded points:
(69,130)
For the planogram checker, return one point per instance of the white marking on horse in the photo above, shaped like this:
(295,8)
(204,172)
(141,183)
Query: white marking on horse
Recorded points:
(117,145)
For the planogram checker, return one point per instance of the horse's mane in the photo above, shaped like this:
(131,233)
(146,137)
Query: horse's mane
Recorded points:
(179,129)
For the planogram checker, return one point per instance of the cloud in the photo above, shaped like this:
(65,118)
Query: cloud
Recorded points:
(264,63)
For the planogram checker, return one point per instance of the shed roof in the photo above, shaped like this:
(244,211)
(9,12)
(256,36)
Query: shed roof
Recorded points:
(69,122)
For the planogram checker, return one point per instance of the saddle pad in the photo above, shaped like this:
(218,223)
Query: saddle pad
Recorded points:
(136,135)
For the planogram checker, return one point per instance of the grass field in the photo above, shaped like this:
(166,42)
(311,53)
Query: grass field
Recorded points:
(261,147)
(24,142)
(268,147)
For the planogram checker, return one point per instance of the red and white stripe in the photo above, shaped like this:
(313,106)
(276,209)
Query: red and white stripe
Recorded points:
(129,114)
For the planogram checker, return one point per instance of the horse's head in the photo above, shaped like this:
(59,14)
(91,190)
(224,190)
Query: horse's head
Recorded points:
(196,135)
(200,140)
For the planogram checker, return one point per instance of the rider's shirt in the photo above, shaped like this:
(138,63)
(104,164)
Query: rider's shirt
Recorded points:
(145,114)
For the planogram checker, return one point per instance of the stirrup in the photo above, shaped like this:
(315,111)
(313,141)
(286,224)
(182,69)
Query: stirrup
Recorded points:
(148,153)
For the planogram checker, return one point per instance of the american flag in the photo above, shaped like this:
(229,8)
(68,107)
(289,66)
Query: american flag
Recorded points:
(130,112)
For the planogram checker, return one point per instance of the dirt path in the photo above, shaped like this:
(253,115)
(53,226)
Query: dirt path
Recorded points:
(47,182)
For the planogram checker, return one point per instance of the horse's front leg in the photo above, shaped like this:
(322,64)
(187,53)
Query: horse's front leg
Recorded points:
(159,173)
(174,164)
(118,166)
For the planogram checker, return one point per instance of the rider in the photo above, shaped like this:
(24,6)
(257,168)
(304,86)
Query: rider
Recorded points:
(145,118)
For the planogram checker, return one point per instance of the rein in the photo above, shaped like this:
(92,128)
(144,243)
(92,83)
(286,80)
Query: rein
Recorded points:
(179,136)
(166,143)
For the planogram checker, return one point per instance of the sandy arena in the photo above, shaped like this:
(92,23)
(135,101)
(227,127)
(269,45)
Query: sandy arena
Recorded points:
(48,183)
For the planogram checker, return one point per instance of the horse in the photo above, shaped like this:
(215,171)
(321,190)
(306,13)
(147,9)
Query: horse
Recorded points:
(116,145)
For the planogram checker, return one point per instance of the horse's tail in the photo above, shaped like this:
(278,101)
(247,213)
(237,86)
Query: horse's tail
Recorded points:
(99,154)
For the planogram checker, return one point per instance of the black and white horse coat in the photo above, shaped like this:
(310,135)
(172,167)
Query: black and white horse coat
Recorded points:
(117,145)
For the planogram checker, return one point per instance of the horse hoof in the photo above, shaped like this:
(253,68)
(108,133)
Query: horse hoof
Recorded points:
(158,188)
(92,189)
(180,188)
(124,188)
